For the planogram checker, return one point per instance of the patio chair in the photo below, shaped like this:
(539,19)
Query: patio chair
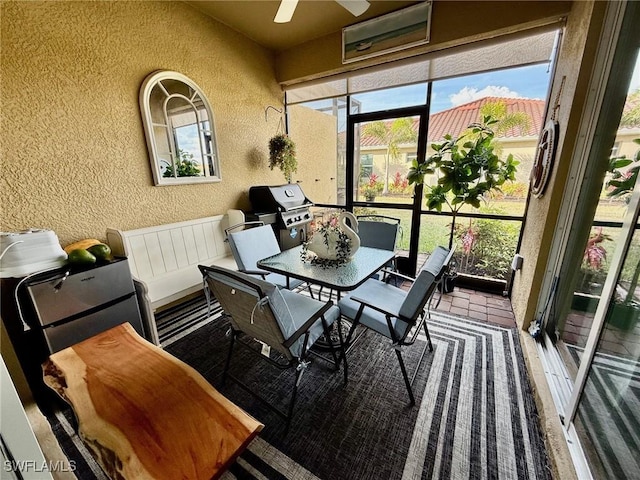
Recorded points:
(250,242)
(379,231)
(253,244)
(288,322)
(397,314)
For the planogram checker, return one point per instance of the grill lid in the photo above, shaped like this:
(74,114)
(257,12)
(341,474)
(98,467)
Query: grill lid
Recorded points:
(283,198)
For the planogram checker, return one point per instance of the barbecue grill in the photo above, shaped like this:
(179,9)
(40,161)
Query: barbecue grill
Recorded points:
(285,208)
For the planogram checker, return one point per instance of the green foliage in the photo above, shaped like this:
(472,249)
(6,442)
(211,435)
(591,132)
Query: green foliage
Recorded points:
(372,188)
(487,247)
(400,185)
(515,189)
(185,164)
(468,169)
(282,154)
(498,110)
(622,181)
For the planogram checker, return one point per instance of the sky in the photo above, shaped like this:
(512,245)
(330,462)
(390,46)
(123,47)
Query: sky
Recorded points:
(521,82)
(527,82)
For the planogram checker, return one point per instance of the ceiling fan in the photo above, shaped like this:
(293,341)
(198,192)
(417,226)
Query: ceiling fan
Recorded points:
(287,7)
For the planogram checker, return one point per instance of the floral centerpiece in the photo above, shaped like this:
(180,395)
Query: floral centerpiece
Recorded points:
(330,243)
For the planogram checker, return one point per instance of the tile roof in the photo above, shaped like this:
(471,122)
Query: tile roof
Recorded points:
(455,120)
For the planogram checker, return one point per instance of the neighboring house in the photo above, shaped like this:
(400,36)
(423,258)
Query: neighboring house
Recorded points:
(517,141)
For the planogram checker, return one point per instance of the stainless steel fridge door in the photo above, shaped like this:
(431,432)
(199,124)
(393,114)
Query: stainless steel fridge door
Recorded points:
(62,336)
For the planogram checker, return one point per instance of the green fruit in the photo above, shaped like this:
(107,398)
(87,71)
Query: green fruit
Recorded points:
(101,251)
(80,256)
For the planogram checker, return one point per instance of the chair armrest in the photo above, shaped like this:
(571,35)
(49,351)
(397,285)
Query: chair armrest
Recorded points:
(397,274)
(262,273)
(307,325)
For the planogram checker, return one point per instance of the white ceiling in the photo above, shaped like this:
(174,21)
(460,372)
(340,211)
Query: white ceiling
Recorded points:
(312,19)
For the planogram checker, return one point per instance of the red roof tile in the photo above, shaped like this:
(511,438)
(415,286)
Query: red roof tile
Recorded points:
(456,120)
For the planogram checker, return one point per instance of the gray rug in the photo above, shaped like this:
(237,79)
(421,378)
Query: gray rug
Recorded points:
(474,415)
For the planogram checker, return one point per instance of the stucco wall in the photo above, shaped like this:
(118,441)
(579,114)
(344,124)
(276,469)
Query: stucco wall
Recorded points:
(569,88)
(74,157)
(315,134)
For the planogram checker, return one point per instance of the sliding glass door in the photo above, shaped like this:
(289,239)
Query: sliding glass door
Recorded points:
(357,136)
(591,311)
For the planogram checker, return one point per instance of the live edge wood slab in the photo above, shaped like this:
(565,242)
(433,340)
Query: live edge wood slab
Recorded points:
(144,413)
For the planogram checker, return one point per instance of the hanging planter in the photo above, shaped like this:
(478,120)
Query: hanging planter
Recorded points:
(282,154)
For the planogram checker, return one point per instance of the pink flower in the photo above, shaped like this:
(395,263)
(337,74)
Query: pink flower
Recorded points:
(468,240)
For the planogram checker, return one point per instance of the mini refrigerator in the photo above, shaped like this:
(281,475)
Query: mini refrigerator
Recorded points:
(46,312)
(72,306)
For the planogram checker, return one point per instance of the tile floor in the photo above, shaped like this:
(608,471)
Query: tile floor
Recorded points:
(481,306)
(485,307)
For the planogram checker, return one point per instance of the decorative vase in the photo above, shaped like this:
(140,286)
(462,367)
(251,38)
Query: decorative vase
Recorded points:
(336,243)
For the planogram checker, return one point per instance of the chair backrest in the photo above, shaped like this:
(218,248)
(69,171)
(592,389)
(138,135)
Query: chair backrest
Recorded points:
(438,261)
(240,226)
(253,244)
(378,232)
(254,306)
(425,283)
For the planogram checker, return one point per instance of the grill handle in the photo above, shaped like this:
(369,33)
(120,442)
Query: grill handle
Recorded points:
(304,206)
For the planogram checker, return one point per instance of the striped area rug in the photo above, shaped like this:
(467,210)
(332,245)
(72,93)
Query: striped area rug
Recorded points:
(474,415)
(179,321)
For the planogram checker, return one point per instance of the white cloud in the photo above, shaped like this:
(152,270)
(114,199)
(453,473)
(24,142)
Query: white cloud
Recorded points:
(467,94)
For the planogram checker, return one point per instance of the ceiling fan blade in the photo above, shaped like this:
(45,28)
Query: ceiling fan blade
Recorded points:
(356,7)
(285,11)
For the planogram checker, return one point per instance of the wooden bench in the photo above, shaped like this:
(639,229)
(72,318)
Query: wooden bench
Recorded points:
(165,258)
(145,414)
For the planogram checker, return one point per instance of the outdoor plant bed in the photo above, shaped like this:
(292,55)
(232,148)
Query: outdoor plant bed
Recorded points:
(481,284)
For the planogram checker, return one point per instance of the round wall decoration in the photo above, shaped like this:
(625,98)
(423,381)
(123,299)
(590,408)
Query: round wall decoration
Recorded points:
(545,157)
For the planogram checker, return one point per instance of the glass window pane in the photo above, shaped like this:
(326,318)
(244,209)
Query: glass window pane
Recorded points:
(608,414)
(381,161)
(572,328)
(319,132)
(389,98)
(484,247)
(515,98)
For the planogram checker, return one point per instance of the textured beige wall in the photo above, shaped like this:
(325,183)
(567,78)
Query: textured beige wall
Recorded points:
(570,81)
(453,22)
(73,151)
(315,134)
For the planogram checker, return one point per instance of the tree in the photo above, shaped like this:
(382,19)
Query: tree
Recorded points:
(467,171)
(505,120)
(631,114)
(392,134)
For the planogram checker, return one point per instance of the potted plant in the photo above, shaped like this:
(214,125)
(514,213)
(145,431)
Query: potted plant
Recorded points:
(467,167)
(372,188)
(282,154)
(186,166)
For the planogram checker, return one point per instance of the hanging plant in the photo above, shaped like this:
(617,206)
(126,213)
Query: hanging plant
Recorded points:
(282,154)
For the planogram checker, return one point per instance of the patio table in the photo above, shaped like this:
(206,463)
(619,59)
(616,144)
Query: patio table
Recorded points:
(342,278)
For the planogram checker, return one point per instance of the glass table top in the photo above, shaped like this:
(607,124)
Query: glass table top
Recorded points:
(348,276)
